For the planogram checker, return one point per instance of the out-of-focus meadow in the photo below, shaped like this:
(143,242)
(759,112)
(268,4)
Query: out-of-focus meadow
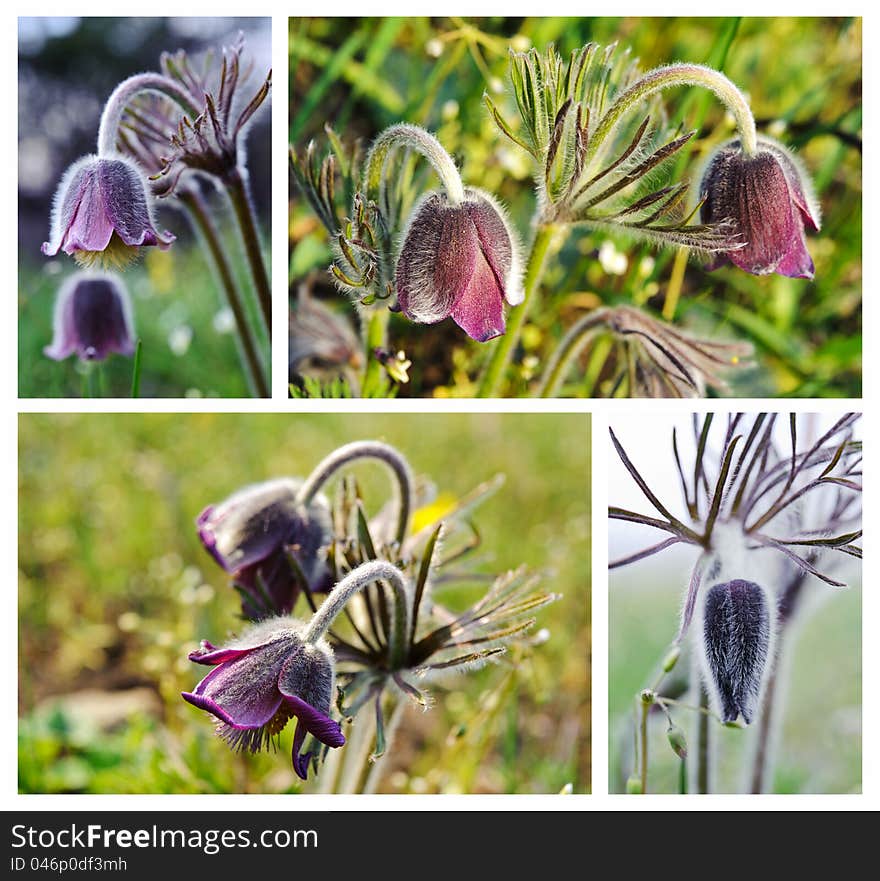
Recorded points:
(68,67)
(803,79)
(115,589)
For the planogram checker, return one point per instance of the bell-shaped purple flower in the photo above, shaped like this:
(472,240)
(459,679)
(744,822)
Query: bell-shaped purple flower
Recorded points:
(259,533)
(263,679)
(460,261)
(102,213)
(767,199)
(92,318)
(736,632)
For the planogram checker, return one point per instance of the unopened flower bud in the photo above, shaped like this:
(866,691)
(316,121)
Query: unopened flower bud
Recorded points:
(736,630)
(671,659)
(677,741)
(634,785)
(461,261)
(768,199)
(102,213)
(92,318)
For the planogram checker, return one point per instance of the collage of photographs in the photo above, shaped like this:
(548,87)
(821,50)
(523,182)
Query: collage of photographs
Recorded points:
(377,573)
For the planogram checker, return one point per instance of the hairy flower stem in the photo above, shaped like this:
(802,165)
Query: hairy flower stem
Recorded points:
(703,747)
(579,335)
(410,137)
(681,75)
(353,583)
(545,237)
(200,216)
(236,186)
(365,450)
(111,118)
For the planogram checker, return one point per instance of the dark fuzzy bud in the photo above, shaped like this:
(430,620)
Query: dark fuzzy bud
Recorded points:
(459,261)
(736,630)
(767,198)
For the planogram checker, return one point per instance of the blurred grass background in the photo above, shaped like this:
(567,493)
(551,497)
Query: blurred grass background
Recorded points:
(115,590)
(803,78)
(67,69)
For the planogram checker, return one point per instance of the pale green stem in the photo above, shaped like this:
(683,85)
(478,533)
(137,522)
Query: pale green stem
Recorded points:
(410,137)
(349,453)
(356,754)
(494,373)
(111,118)
(579,335)
(643,744)
(680,75)
(355,582)
(377,327)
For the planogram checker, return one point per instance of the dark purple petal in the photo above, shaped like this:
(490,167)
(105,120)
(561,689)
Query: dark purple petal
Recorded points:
(300,761)
(245,688)
(318,724)
(211,655)
(736,629)
(494,240)
(479,309)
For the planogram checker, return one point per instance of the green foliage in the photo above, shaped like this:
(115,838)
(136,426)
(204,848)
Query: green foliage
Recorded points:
(803,79)
(115,589)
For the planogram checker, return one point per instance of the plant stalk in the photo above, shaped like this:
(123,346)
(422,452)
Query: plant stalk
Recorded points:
(199,213)
(236,187)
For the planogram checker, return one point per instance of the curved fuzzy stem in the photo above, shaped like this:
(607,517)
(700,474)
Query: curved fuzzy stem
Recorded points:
(354,582)
(365,450)
(108,130)
(681,75)
(573,343)
(413,138)
(200,214)
(544,238)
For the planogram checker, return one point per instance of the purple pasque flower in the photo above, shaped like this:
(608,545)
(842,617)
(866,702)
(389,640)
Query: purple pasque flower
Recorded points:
(102,213)
(92,318)
(259,534)
(768,200)
(264,678)
(460,261)
(736,633)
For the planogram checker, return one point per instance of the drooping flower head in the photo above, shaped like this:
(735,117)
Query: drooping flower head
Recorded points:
(92,318)
(459,260)
(768,198)
(263,679)
(258,533)
(102,213)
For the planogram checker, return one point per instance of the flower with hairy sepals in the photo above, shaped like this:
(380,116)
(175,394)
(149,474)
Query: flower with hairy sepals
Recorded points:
(261,535)
(768,197)
(263,679)
(459,260)
(92,318)
(102,213)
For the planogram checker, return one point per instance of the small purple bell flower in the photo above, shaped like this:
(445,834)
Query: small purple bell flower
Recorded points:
(102,214)
(736,632)
(263,679)
(254,534)
(459,260)
(92,318)
(768,199)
